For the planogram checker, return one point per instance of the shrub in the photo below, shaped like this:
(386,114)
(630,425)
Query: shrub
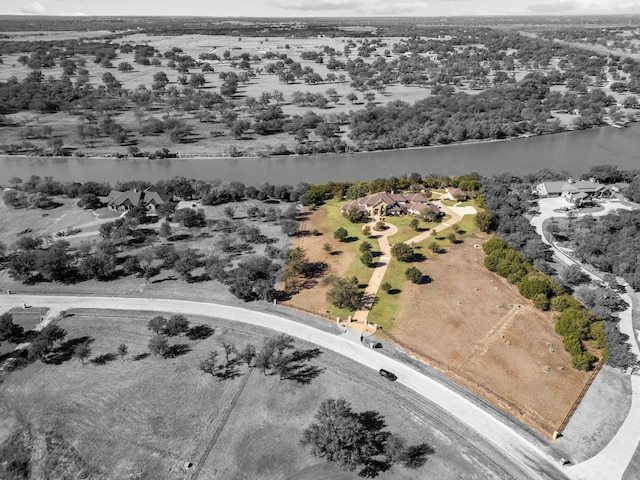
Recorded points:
(572,344)
(562,302)
(340,234)
(582,361)
(402,252)
(413,274)
(541,301)
(386,286)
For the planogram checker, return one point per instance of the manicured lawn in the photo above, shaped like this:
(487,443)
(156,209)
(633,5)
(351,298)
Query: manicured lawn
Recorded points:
(405,232)
(451,203)
(384,310)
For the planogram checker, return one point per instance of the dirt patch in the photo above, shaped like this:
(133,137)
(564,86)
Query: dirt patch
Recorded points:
(313,296)
(474,326)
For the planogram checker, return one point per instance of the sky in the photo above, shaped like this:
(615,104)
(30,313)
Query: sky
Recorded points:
(319,8)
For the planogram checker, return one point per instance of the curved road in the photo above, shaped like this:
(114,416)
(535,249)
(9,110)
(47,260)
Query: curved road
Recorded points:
(529,457)
(612,461)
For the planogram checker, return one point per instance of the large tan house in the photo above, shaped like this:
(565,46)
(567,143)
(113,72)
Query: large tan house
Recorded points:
(384,203)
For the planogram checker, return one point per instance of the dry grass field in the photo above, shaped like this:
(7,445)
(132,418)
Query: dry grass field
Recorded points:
(146,417)
(482,332)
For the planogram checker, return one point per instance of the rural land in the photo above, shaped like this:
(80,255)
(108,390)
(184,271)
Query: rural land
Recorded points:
(416,326)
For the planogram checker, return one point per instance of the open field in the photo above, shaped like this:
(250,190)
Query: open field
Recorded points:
(149,416)
(479,330)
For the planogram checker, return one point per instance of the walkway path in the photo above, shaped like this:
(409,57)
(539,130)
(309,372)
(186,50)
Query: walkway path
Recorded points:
(531,458)
(612,461)
(380,268)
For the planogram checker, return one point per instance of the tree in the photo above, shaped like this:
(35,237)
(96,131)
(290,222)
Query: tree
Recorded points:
(345,293)
(354,441)
(414,224)
(176,325)
(82,351)
(157,324)
(482,220)
(403,252)
(158,345)
(123,350)
(289,226)
(125,67)
(366,258)
(574,275)
(386,287)
(365,246)
(413,274)
(165,230)
(366,231)
(340,234)
(15,181)
(247,354)
(8,330)
(209,365)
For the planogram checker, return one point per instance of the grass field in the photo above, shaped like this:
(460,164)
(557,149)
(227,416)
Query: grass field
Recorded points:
(147,418)
(478,329)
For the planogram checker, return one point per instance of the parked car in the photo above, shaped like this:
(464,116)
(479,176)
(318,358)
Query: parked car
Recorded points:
(387,374)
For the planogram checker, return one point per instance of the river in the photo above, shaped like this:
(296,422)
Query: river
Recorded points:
(571,151)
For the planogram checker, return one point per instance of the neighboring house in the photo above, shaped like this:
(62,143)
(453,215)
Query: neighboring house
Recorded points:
(125,201)
(384,203)
(457,195)
(578,193)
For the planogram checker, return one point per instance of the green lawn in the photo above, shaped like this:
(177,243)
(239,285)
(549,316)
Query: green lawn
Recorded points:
(405,232)
(451,203)
(384,310)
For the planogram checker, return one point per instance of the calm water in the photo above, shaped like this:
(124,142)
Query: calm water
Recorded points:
(571,151)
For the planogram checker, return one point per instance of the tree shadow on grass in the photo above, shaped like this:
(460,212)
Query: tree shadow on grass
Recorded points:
(297,368)
(200,332)
(64,352)
(177,350)
(316,269)
(104,359)
(228,371)
(394,291)
(141,356)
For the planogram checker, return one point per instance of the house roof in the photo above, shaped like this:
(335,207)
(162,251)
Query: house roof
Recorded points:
(553,188)
(416,198)
(131,197)
(134,197)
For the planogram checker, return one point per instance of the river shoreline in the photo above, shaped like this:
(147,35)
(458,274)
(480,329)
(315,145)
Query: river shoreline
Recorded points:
(178,156)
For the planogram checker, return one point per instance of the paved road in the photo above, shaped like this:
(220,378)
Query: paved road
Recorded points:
(612,461)
(530,458)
